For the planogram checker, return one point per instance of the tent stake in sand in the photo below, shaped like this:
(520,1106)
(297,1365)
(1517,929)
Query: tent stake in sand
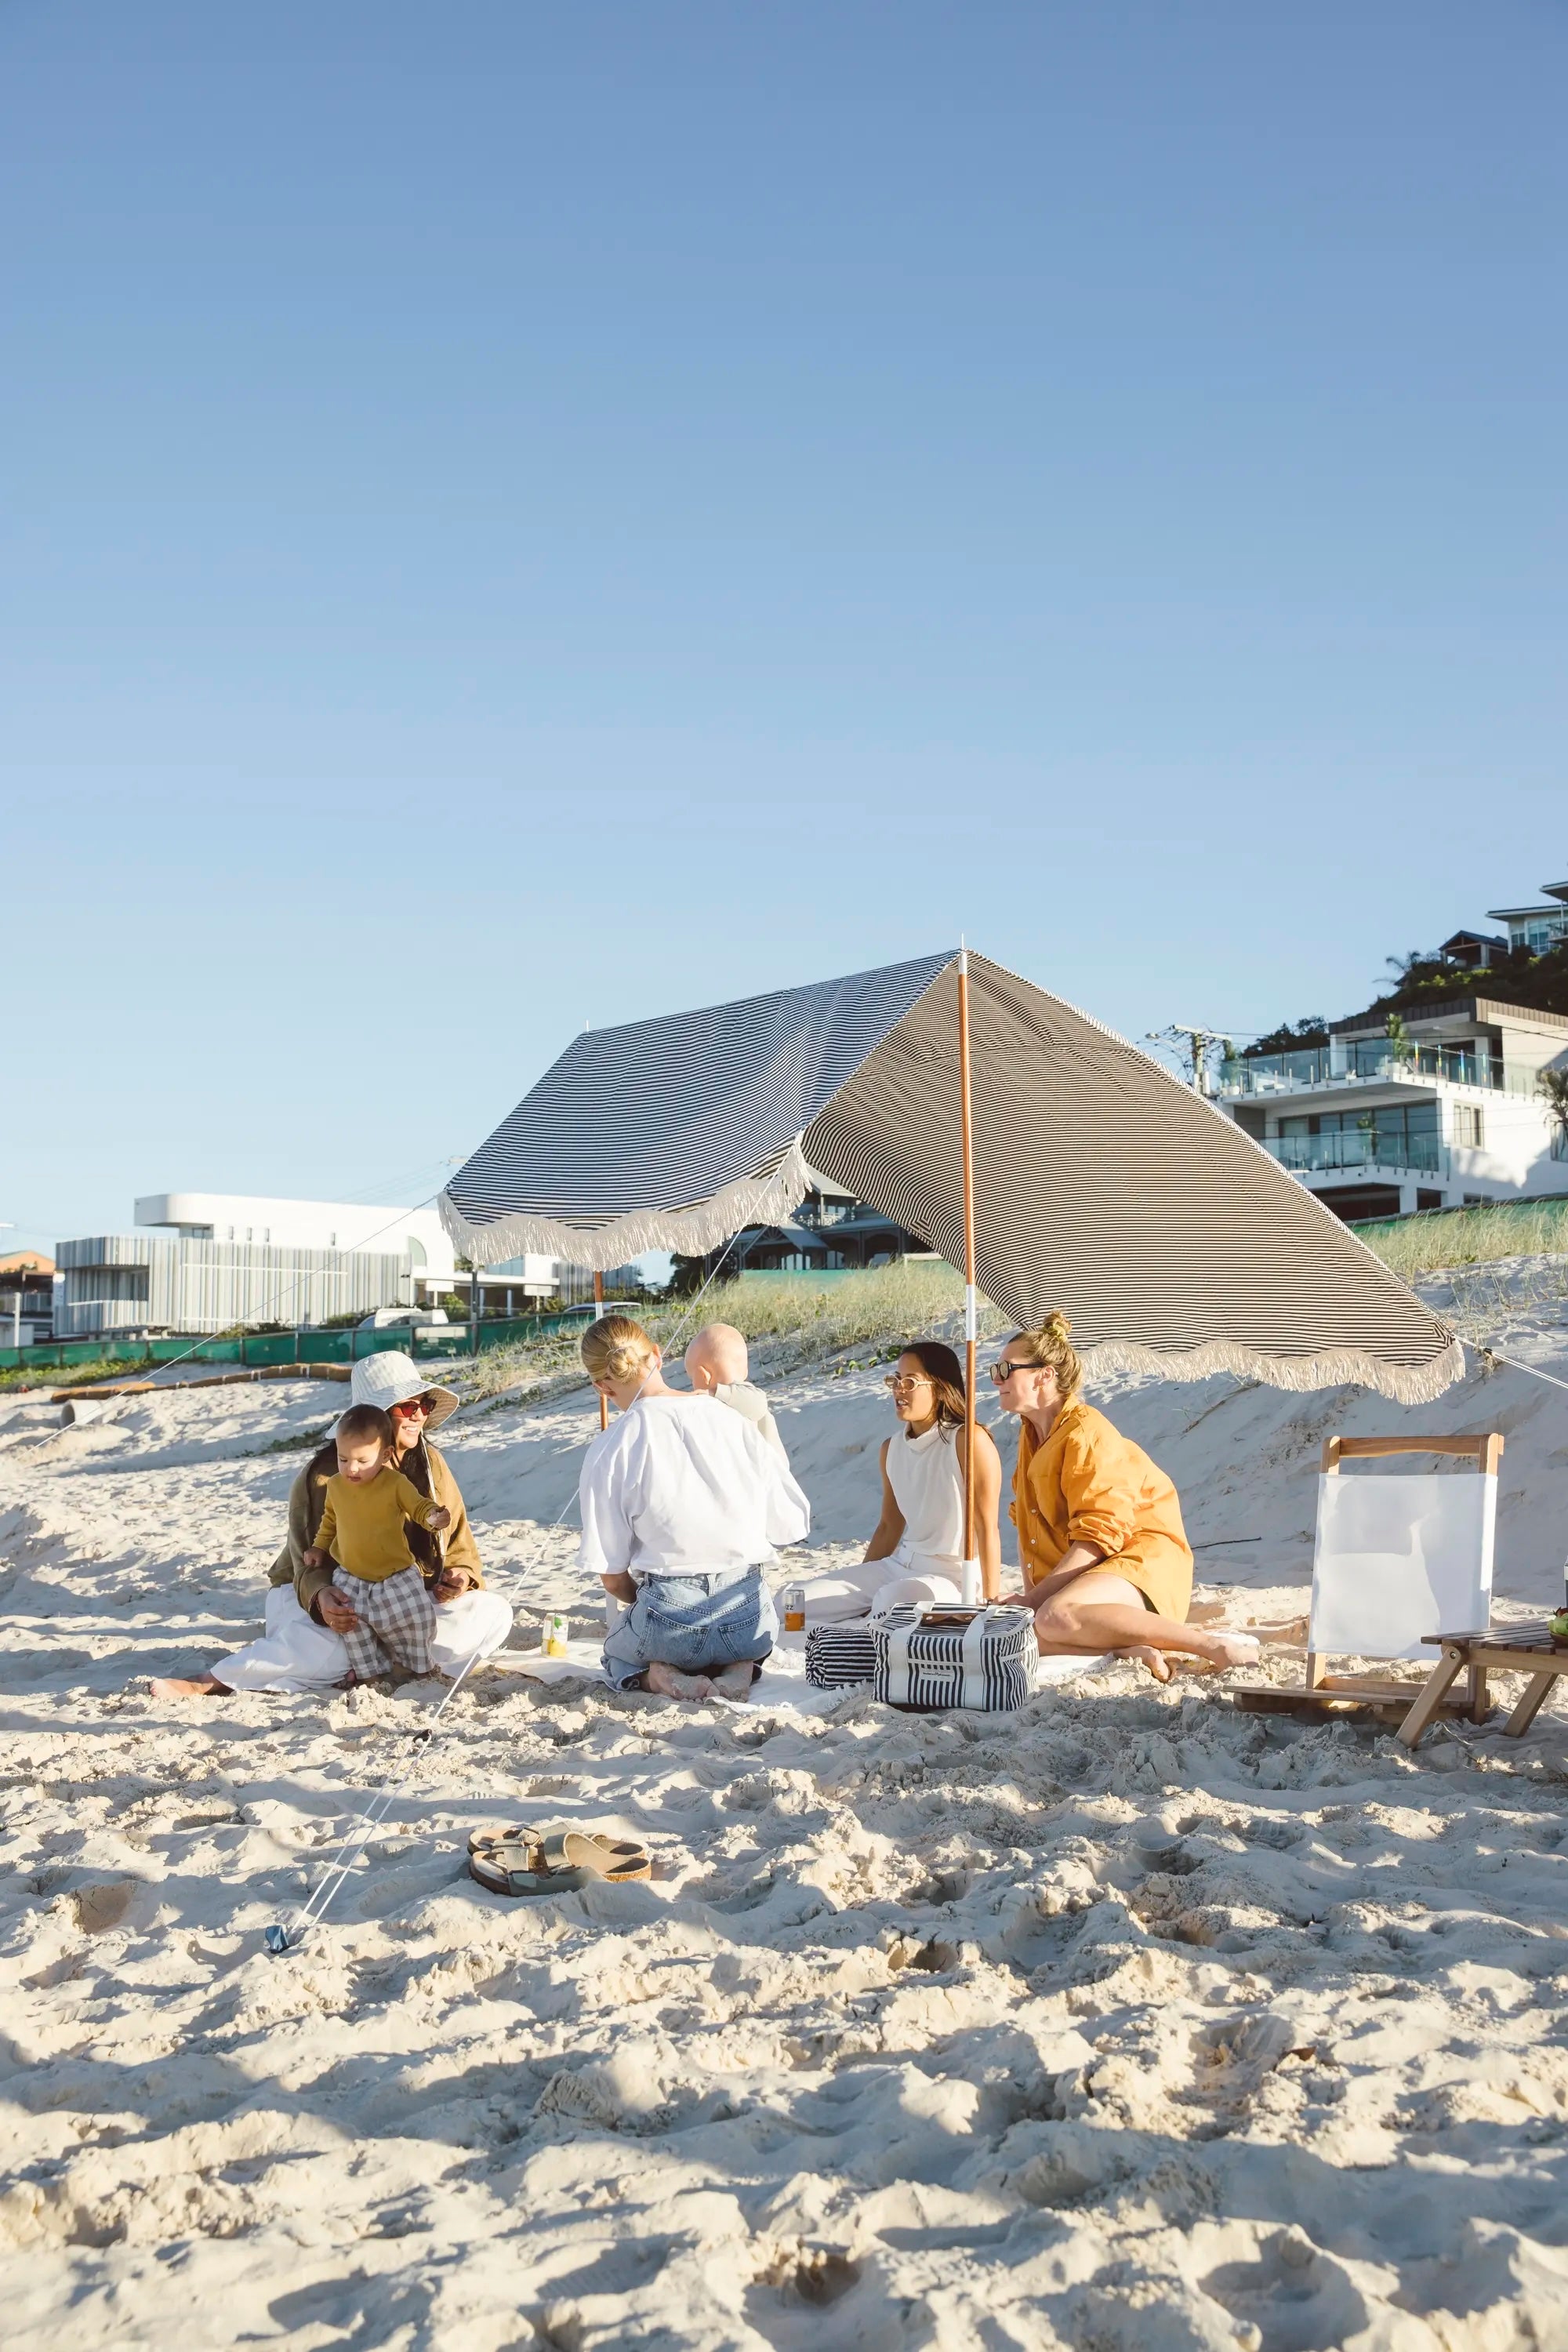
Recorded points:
(599,1308)
(970,1320)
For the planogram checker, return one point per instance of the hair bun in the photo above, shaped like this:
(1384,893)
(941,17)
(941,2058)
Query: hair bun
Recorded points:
(615,1349)
(1058,1325)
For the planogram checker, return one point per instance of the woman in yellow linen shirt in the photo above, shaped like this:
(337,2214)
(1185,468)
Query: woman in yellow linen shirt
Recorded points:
(1106,1565)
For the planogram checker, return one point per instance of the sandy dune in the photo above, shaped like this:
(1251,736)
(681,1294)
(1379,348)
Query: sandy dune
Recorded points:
(1127,2022)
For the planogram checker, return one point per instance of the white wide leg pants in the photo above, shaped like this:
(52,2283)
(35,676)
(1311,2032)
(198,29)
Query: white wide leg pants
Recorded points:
(295,1654)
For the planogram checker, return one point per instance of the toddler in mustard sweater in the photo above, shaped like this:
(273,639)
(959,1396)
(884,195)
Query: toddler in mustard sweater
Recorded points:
(363,1532)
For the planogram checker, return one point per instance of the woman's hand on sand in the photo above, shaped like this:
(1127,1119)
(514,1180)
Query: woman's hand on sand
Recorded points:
(336,1613)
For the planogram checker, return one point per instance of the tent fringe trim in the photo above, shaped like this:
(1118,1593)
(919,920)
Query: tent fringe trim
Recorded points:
(1341,1367)
(751,1201)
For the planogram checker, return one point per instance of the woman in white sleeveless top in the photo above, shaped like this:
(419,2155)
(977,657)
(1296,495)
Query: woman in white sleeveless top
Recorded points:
(916,1552)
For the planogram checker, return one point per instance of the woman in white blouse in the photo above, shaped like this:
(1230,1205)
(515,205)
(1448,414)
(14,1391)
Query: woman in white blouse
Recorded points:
(683,1504)
(916,1552)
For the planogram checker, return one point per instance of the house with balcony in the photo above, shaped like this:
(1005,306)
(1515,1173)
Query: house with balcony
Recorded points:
(1448,1115)
(828,1234)
(1537,929)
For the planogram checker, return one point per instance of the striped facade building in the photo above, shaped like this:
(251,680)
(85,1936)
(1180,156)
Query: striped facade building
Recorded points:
(140,1282)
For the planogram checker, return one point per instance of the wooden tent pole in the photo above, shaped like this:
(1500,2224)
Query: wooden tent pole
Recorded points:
(599,1302)
(970,1316)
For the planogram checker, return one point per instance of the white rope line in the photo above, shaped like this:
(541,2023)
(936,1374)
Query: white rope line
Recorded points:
(284,1938)
(1490,1356)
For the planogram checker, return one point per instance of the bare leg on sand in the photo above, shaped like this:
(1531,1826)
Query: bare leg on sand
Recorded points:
(189,1686)
(1096,1614)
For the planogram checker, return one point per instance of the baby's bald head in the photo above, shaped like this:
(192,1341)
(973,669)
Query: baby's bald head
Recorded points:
(715,1358)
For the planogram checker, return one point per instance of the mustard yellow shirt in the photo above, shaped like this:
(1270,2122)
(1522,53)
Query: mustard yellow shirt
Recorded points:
(362,1526)
(1088,1484)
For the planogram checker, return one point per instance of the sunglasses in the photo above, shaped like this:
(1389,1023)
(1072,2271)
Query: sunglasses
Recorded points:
(1003,1372)
(425,1405)
(904,1386)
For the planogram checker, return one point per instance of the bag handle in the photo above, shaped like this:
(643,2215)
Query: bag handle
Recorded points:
(972,1657)
(898,1654)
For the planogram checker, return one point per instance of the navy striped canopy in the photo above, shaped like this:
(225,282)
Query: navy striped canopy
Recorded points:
(1103,1184)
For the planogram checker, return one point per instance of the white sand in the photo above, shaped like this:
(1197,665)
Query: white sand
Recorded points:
(1129,2023)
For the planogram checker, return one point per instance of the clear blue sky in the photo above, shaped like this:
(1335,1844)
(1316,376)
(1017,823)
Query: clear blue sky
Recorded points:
(519,515)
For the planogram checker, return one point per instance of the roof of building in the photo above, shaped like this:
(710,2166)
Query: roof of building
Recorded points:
(27,1261)
(1464,938)
(1478,1008)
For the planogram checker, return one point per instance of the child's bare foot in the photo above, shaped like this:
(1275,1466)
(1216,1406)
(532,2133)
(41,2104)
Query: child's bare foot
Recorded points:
(1143,1653)
(670,1682)
(191,1686)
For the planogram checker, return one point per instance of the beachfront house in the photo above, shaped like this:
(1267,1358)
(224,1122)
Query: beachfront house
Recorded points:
(830,1233)
(575,1284)
(1440,1106)
(26,1297)
(1538,929)
(1448,1116)
(203,1261)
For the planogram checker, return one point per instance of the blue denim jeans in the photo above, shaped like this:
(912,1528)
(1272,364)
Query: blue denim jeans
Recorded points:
(693,1621)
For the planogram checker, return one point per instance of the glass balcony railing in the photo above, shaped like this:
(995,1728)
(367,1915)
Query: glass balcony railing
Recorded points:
(1333,1065)
(1360,1148)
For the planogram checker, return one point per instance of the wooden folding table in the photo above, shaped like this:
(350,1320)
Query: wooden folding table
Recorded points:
(1526,1648)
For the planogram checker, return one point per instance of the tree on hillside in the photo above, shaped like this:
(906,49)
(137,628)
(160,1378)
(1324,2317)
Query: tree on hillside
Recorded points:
(1312,1029)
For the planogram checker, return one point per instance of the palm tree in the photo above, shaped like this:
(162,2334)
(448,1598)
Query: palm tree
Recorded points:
(1554,1084)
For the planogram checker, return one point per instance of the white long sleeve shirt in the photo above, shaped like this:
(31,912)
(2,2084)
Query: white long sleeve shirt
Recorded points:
(681,1482)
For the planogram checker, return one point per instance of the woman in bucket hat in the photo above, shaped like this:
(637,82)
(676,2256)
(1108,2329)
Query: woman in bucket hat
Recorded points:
(304,1648)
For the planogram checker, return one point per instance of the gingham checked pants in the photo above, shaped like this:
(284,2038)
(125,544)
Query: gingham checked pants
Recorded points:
(396,1623)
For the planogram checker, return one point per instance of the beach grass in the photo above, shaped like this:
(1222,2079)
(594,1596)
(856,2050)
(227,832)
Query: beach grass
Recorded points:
(1432,1244)
(68,1376)
(862,1318)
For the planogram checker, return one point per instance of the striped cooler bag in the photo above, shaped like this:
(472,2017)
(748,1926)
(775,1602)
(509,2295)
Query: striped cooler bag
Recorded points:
(928,1659)
(840,1655)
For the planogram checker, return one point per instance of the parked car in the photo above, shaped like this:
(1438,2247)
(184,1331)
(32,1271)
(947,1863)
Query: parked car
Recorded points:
(403,1319)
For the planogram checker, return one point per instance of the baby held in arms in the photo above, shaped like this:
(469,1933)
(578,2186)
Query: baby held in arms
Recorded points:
(362,1534)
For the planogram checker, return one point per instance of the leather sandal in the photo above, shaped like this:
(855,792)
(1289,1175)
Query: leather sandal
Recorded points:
(522,1860)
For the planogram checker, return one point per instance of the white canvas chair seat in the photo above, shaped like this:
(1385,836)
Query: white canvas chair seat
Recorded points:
(1397,1561)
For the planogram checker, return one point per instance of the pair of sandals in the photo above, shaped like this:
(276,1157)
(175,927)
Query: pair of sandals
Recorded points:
(552,1862)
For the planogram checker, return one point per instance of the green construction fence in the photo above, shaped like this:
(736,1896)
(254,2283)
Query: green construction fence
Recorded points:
(430,1342)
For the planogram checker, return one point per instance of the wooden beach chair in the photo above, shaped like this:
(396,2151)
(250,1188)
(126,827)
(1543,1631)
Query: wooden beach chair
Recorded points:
(1396,1562)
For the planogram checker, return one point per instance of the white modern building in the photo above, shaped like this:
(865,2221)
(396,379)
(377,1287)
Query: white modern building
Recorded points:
(244,1219)
(203,1262)
(1447,1116)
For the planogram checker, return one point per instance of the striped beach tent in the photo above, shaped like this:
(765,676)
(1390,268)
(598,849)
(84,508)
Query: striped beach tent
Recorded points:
(1101,1184)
